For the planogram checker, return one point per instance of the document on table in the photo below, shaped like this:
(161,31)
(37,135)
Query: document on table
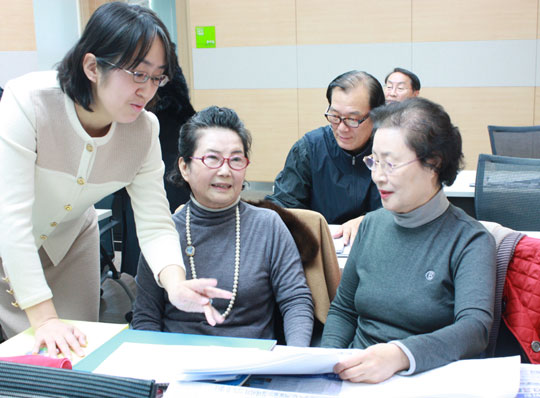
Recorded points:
(489,378)
(482,378)
(529,386)
(166,363)
(205,390)
(341,249)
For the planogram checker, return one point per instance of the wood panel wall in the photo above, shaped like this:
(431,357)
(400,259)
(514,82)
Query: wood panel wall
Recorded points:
(87,8)
(17,31)
(277,118)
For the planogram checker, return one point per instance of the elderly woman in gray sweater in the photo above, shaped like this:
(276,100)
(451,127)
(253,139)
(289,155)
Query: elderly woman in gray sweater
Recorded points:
(417,291)
(248,249)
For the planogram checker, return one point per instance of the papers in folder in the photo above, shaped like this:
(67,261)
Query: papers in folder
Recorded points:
(487,378)
(165,363)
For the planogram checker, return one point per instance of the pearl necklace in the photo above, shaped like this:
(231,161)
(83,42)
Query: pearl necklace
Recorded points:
(190,251)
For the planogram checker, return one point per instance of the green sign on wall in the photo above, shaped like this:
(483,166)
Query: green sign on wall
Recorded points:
(205,36)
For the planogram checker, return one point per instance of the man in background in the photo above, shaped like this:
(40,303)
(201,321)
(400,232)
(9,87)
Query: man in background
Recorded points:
(324,170)
(401,84)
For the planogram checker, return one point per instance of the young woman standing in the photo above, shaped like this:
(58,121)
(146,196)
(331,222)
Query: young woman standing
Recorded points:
(68,138)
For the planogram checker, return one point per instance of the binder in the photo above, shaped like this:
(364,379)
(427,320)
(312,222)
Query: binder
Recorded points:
(95,359)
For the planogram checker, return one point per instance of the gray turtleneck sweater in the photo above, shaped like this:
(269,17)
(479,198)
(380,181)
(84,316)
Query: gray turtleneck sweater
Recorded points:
(424,280)
(271,274)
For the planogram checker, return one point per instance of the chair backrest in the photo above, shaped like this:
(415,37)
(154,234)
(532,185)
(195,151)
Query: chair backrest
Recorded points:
(322,274)
(19,380)
(507,191)
(521,142)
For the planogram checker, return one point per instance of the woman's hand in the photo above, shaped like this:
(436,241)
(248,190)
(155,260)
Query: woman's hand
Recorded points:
(193,295)
(348,230)
(51,332)
(373,365)
(59,337)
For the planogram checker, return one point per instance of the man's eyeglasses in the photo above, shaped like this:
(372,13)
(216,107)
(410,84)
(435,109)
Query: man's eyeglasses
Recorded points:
(386,167)
(143,77)
(212,161)
(349,121)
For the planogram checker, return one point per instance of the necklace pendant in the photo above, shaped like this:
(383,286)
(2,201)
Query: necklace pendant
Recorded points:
(190,250)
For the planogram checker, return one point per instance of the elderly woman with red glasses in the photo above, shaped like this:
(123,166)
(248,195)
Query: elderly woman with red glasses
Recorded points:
(248,249)
(417,291)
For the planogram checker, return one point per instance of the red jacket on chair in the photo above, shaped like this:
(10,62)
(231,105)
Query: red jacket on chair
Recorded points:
(522,297)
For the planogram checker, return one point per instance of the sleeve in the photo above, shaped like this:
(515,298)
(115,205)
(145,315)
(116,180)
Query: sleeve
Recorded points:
(18,248)
(157,236)
(290,288)
(340,326)
(292,187)
(468,335)
(149,305)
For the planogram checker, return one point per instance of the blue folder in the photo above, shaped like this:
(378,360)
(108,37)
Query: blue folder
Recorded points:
(95,358)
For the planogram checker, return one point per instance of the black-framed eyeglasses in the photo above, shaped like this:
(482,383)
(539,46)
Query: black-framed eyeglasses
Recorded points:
(213,161)
(386,167)
(349,121)
(143,77)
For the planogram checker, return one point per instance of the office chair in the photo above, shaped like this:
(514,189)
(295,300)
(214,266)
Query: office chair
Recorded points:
(107,249)
(312,236)
(19,380)
(520,142)
(507,191)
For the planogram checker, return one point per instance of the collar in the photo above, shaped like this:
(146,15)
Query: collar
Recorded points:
(339,153)
(426,213)
(213,210)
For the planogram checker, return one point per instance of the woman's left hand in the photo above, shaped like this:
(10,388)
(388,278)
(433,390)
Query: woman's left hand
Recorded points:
(373,365)
(193,295)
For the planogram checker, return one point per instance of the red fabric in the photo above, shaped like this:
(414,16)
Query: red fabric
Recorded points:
(522,295)
(40,360)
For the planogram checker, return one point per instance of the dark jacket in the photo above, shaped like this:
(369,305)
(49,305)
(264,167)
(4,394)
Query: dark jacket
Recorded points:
(319,175)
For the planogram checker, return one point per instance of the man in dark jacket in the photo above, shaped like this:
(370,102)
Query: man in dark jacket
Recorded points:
(324,170)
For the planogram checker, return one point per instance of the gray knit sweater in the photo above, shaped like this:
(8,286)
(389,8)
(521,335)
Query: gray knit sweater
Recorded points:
(270,273)
(424,280)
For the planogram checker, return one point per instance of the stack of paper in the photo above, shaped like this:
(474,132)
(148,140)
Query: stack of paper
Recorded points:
(165,363)
(489,378)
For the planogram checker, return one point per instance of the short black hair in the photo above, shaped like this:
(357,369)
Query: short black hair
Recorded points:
(415,81)
(213,116)
(118,33)
(429,132)
(354,78)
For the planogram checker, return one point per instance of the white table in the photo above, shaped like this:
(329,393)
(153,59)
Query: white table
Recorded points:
(463,187)
(103,214)
(461,192)
(532,234)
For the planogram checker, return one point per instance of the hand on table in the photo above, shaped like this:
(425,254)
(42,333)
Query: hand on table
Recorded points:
(59,337)
(193,295)
(373,365)
(349,230)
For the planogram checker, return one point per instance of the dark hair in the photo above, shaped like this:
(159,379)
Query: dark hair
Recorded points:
(429,132)
(1,92)
(415,81)
(353,79)
(173,98)
(119,33)
(213,116)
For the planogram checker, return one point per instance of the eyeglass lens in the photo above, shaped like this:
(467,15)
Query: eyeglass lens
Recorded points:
(349,122)
(237,162)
